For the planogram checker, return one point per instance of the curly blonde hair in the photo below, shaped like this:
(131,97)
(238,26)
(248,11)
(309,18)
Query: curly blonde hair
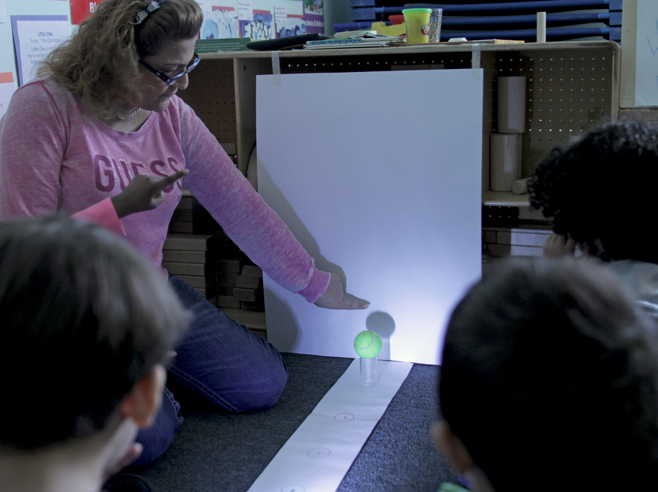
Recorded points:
(100,62)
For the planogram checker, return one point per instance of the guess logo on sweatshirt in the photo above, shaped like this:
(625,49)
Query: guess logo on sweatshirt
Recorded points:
(110,172)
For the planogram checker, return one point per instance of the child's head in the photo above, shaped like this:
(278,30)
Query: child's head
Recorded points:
(549,381)
(603,188)
(84,319)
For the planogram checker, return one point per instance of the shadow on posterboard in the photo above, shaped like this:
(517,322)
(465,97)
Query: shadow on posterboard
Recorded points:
(384,325)
(285,340)
(278,201)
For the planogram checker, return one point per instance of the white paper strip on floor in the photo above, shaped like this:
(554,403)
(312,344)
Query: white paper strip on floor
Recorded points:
(321,451)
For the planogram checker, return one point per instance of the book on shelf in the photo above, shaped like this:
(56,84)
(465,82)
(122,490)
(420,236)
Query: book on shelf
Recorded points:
(360,42)
(223,44)
(485,41)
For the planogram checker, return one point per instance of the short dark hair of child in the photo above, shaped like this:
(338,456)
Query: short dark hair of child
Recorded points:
(84,317)
(549,378)
(603,187)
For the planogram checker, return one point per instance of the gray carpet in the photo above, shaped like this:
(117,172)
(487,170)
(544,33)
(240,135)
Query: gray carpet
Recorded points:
(215,451)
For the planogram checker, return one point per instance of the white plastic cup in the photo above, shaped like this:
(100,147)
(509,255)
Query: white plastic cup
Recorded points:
(520,186)
(435,25)
(505,165)
(511,104)
(368,371)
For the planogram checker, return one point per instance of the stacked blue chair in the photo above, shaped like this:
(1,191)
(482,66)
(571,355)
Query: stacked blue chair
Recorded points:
(475,20)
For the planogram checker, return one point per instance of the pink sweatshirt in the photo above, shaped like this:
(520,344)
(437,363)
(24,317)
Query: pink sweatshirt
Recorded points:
(55,155)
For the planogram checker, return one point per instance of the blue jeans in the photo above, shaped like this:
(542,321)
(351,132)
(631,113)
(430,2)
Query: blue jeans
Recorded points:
(230,365)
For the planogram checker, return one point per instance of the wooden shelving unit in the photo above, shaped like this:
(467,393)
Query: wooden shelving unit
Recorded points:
(504,199)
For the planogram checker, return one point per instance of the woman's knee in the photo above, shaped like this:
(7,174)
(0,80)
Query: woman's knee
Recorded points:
(156,439)
(263,391)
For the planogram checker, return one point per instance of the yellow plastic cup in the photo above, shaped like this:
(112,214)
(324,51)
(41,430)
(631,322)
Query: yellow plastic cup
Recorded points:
(417,25)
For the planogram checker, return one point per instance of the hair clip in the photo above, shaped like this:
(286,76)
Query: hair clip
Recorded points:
(152,7)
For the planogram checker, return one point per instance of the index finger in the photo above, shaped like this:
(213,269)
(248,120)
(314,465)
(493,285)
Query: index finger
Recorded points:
(352,302)
(352,305)
(167,180)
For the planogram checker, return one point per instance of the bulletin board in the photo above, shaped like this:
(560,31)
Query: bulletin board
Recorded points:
(386,193)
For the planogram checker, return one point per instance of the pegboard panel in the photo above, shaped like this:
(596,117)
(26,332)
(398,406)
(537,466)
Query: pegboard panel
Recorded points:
(567,95)
(375,62)
(211,94)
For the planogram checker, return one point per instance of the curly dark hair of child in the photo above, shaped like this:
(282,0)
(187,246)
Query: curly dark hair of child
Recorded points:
(603,188)
(549,375)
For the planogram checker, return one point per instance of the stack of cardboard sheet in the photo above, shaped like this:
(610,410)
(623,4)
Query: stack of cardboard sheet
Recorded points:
(198,251)
(192,257)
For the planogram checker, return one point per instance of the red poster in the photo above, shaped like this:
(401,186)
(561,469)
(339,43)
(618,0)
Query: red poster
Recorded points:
(81,9)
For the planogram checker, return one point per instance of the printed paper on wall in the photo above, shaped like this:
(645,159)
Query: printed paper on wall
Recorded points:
(261,27)
(34,37)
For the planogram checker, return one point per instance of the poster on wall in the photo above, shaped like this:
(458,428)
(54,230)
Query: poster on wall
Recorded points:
(81,9)
(208,27)
(7,88)
(34,37)
(222,23)
(294,25)
(314,15)
(259,28)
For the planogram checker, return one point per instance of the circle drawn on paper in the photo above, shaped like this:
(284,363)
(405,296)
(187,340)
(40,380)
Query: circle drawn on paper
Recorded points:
(293,488)
(344,417)
(319,453)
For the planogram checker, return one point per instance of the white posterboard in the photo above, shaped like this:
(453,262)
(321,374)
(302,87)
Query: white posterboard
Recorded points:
(378,174)
(639,54)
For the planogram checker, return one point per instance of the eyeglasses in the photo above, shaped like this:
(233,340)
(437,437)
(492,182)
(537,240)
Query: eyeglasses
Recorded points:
(172,80)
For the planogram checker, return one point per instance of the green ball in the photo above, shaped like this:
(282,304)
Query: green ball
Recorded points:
(368,344)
